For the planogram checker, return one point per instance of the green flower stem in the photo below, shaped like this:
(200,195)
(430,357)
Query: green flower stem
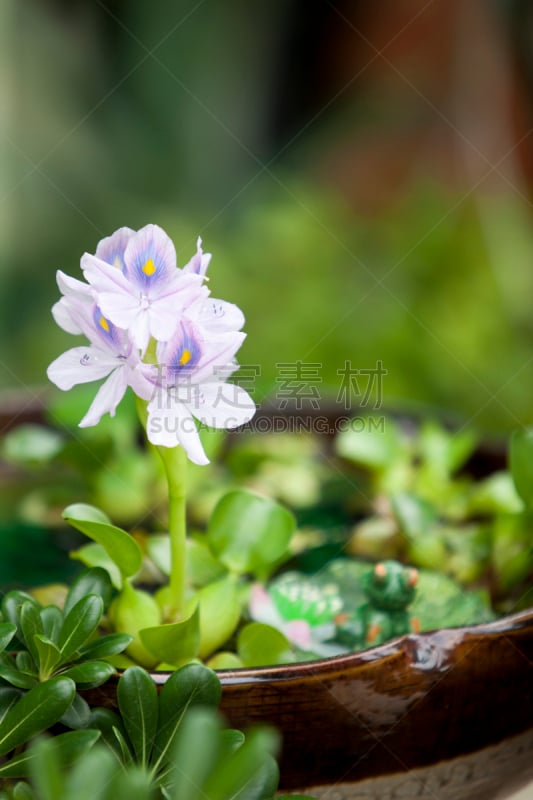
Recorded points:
(175,463)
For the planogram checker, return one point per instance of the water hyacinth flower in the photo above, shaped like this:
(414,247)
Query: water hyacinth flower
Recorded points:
(134,295)
(193,385)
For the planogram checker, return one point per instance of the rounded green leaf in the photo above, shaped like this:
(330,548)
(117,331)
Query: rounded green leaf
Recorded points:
(130,612)
(48,655)
(138,704)
(90,674)
(105,646)
(260,645)
(36,711)
(79,625)
(249,533)
(174,642)
(220,611)
(91,581)
(119,545)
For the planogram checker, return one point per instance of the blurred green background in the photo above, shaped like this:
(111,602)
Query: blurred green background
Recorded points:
(362,173)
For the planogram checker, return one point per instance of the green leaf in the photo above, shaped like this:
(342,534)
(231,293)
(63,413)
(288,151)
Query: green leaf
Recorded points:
(174,642)
(108,722)
(372,448)
(66,747)
(52,620)
(261,645)
(36,711)
(250,772)
(415,515)
(94,556)
(512,549)
(45,769)
(7,631)
(138,704)
(202,566)
(249,533)
(91,777)
(48,656)
(8,698)
(109,645)
(91,581)
(191,765)
(119,545)
(78,715)
(31,444)
(90,674)
(80,624)
(130,612)
(521,464)
(189,686)
(16,678)
(31,625)
(220,611)
(25,663)
(22,791)
(12,602)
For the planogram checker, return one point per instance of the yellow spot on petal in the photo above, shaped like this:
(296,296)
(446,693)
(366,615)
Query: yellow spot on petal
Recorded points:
(185,357)
(104,324)
(149,267)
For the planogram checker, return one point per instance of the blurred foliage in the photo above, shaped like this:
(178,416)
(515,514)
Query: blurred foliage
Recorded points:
(119,115)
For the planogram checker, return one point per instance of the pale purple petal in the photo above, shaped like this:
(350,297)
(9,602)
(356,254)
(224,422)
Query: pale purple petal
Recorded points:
(121,309)
(111,249)
(150,258)
(141,378)
(218,352)
(103,277)
(69,286)
(169,423)
(62,313)
(222,405)
(218,316)
(199,262)
(107,398)
(80,365)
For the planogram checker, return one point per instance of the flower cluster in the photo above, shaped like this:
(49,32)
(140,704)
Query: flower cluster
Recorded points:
(153,327)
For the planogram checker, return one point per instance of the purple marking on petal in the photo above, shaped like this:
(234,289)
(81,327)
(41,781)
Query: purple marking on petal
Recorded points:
(150,259)
(183,353)
(111,249)
(109,333)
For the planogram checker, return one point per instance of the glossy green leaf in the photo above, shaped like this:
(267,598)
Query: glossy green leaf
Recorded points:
(16,678)
(261,645)
(31,625)
(220,611)
(48,655)
(36,711)
(66,747)
(90,674)
(173,642)
(77,715)
(119,545)
(25,663)
(91,581)
(249,533)
(12,603)
(8,698)
(108,722)
(80,624)
(109,645)
(52,620)
(7,631)
(521,464)
(189,686)
(138,704)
